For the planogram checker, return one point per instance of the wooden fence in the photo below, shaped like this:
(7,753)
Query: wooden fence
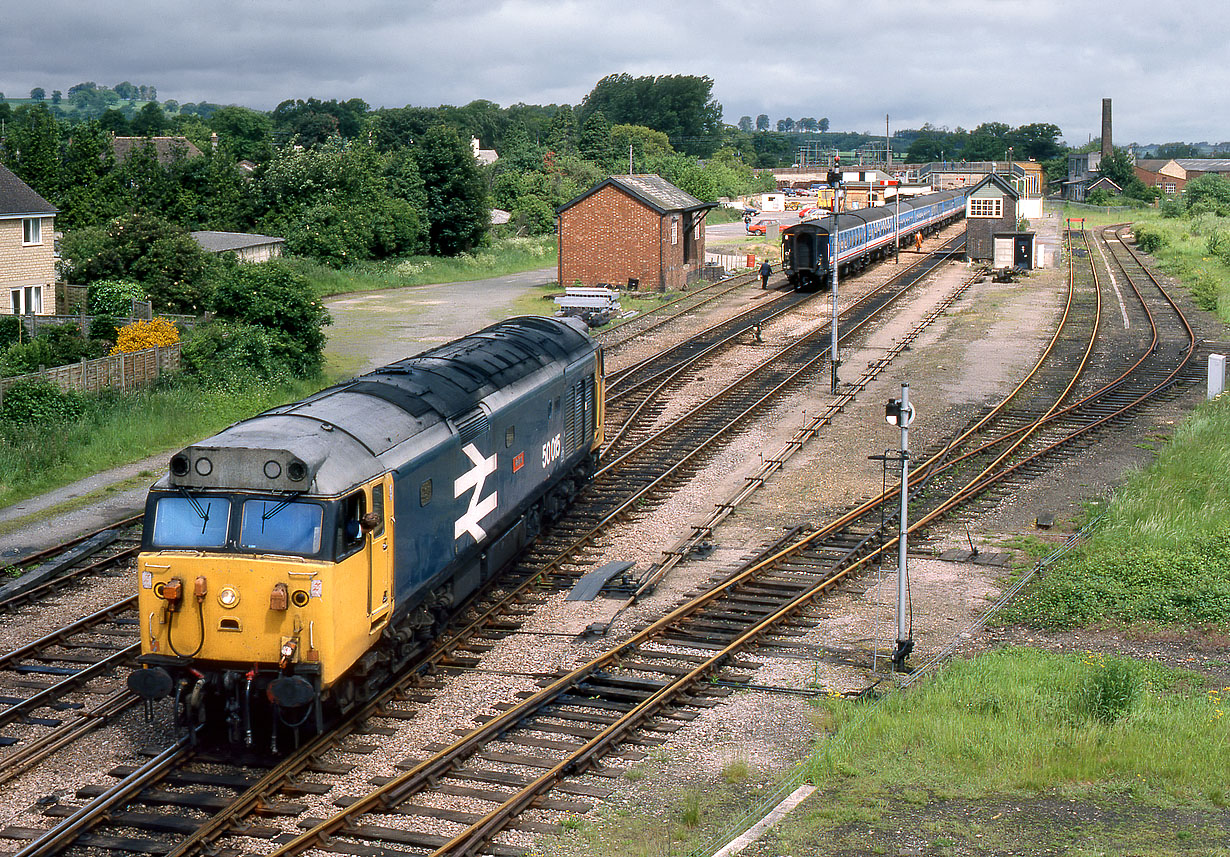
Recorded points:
(119,371)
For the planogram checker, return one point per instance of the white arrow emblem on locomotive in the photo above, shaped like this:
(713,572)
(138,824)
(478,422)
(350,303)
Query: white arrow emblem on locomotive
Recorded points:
(474,478)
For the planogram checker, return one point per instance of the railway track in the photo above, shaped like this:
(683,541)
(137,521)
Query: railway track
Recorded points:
(655,672)
(563,733)
(453,654)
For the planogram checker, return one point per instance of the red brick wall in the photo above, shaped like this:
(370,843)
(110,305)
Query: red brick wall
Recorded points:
(610,237)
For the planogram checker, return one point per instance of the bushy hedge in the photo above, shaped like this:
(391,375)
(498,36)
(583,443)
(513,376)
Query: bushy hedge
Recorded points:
(39,402)
(282,302)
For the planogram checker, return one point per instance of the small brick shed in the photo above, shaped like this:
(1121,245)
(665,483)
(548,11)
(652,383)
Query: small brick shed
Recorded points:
(638,227)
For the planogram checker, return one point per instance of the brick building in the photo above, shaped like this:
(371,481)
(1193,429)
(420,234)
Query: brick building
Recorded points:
(27,249)
(637,227)
(990,208)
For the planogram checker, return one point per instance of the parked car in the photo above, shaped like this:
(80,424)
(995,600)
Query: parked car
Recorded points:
(760,227)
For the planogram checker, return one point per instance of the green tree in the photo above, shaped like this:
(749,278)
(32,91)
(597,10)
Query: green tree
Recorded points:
(32,148)
(745,124)
(458,210)
(680,106)
(116,122)
(249,133)
(762,122)
(1039,140)
(1208,193)
(175,272)
(150,121)
(38,93)
(273,297)
(594,142)
(89,195)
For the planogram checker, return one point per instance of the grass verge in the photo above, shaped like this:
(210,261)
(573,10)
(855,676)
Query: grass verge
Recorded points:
(121,427)
(1162,553)
(505,256)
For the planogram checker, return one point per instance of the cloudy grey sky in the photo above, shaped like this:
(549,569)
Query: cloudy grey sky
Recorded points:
(948,62)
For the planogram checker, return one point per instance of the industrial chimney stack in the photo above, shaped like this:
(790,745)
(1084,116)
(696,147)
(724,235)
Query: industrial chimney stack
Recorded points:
(1106,146)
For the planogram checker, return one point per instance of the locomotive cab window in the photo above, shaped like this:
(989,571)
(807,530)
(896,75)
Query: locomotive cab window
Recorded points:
(280,526)
(348,534)
(191,521)
(378,509)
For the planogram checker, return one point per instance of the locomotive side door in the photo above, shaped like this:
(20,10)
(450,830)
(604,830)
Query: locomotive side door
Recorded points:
(380,553)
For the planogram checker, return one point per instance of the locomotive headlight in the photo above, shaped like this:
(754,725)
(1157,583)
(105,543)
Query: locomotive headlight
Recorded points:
(228,597)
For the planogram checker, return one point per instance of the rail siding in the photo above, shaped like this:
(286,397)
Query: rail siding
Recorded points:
(118,371)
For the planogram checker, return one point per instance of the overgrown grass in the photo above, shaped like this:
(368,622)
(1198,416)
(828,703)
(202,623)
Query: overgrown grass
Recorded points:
(120,427)
(1162,552)
(1027,722)
(505,256)
(1183,252)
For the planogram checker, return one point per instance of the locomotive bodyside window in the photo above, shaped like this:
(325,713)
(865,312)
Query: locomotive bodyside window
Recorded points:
(191,521)
(425,493)
(510,434)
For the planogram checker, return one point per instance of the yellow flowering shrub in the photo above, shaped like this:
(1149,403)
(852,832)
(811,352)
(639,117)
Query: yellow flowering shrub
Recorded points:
(145,334)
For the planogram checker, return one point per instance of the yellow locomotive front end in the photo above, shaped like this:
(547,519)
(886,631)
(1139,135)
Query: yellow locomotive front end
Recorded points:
(253,605)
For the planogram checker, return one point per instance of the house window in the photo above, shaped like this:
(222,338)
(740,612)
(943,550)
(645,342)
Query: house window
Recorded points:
(1168,187)
(979,207)
(32,230)
(26,301)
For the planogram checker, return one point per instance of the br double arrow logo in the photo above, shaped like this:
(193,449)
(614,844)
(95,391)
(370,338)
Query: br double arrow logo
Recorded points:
(480,507)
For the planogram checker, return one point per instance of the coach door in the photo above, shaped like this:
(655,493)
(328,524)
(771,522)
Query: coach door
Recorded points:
(380,553)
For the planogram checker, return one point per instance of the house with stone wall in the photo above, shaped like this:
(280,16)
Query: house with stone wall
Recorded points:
(27,249)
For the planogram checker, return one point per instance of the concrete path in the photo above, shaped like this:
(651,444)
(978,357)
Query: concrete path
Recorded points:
(369,330)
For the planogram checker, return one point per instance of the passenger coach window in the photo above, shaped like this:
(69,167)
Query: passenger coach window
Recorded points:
(191,521)
(281,527)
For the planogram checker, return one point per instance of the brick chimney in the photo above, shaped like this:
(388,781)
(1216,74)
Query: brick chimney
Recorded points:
(1106,145)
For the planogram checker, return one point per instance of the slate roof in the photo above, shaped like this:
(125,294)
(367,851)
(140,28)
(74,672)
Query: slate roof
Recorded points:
(220,242)
(17,199)
(653,190)
(1205,165)
(998,181)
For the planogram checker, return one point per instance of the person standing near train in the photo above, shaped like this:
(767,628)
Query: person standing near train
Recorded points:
(765,270)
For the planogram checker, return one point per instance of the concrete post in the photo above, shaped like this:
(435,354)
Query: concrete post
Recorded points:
(1217,374)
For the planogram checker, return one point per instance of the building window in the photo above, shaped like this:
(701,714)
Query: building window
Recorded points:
(1168,187)
(674,230)
(26,301)
(979,207)
(32,230)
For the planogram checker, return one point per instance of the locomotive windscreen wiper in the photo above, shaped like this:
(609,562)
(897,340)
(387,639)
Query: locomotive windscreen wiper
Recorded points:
(269,513)
(196,504)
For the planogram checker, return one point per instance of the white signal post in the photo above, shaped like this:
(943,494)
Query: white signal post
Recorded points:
(900,412)
(835,248)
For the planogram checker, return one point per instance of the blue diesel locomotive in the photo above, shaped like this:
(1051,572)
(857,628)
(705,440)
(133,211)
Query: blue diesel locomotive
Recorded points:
(863,235)
(296,559)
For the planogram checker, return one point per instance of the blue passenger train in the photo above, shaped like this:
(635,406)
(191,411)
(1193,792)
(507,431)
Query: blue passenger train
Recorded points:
(863,235)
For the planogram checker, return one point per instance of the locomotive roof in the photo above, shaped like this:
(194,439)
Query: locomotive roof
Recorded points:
(335,438)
